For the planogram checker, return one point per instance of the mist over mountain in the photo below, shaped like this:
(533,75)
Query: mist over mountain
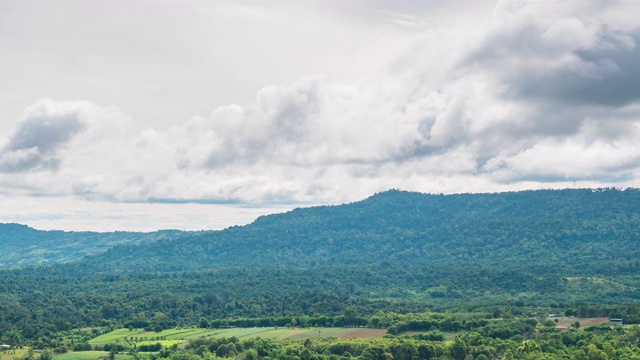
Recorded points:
(21,245)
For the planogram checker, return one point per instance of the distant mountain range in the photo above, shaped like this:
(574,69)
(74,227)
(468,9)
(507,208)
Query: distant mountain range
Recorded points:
(572,230)
(572,246)
(21,245)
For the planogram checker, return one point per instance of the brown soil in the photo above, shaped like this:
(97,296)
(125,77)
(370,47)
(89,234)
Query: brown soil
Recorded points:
(363,334)
(584,321)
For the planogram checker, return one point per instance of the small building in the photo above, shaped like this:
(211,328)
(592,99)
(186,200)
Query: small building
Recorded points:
(613,321)
(562,328)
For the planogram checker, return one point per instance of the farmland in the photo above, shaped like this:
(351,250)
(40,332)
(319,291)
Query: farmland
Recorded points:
(568,321)
(91,355)
(170,337)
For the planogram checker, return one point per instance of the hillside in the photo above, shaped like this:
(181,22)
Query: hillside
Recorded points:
(21,245)
(567,231)
(395,251)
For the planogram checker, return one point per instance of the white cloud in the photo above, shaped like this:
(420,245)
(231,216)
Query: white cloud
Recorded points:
(549,94)
(38,137)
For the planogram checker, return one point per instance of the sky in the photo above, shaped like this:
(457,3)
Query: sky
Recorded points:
(145,115)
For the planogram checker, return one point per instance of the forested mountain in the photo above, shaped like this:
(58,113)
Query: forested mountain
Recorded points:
(561,231)
(393,252)
(22,245)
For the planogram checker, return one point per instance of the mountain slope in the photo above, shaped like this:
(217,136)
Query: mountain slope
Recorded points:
(22,245)
(577,231)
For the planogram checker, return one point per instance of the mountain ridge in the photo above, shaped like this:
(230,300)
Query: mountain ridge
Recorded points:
(568,229)
(22,245)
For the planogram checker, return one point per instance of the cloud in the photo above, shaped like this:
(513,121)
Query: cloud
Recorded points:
(45,128)
(556,53)
(546,96)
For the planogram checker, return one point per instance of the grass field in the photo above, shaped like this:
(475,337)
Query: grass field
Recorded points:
(282,333)
(237,332)
(178,336)
(173,334)
(90,355)
(139,335)
(115,335)
(13,354)
(583,321)
(363,334)
(167,343)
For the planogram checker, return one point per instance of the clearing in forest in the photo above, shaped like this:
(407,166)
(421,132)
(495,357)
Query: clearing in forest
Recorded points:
(177,336)
(567,321)
(363,334)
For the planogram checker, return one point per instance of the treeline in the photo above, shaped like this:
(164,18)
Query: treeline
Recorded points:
(478,337)
(34,306)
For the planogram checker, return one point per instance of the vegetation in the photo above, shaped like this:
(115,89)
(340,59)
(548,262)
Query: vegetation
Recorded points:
(22,245)
(446,276)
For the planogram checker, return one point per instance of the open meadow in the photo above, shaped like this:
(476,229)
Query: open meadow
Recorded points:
(170,337)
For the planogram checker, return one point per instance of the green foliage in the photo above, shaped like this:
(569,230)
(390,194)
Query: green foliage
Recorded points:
(491,260)
(22,245)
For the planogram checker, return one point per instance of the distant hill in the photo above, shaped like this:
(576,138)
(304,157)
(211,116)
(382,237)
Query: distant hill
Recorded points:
(22,245)
(394,251)
(580,231)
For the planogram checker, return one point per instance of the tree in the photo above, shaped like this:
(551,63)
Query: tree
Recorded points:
(576,324)
(458,350)
(46,355)
(593,353)
(350,316)
(529,347)
(376,353)
(204,323)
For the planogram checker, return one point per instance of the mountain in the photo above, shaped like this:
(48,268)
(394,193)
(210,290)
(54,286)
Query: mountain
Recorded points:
(22,245)
(394,251)
(580,231)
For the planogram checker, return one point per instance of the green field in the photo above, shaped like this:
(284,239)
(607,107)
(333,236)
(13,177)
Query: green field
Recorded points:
(142,336)
(237,332)
(167,343)
(90,355)
(177,336)
(116,335)
(284,333)
(173,334)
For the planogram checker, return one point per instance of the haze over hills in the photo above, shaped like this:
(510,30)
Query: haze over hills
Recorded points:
(22,245)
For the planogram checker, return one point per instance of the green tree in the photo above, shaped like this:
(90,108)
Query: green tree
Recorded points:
(458,350)
(376,352)
(593,353)
(350,316)
(46,355)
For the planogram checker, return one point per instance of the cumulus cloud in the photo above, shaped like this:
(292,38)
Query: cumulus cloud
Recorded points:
(550,94)
(45,128)
(568,52)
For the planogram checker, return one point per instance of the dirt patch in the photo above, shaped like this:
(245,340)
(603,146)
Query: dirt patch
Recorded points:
(363,334)
(583,321)
(593,321)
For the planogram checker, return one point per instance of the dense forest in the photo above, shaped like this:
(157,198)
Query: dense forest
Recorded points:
(576,231)
(493,255)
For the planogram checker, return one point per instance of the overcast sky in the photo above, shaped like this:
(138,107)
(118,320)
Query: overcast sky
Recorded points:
(142,115)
